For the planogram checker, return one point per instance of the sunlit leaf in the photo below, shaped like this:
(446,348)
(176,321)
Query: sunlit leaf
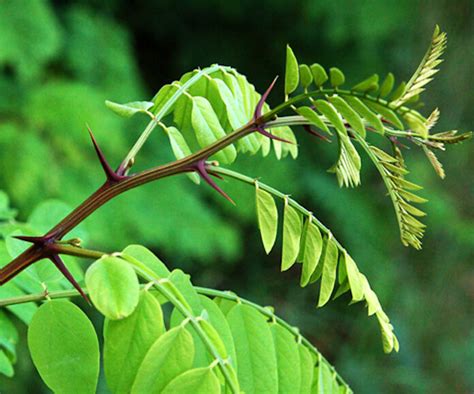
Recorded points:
(256,359)
(113,287)
(171,355)
(291,72)
(127,341)
(64,347)
(292,228)
(312,252)
(196,381)
(267,214)
(288,359)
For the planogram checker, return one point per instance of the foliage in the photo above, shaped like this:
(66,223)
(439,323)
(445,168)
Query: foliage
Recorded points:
(315,178)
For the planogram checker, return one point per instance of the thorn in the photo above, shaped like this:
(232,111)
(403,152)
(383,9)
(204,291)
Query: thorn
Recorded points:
(109,173)
(57,261)
(258,113)
(200,167)
(33,240)
(218,176)
(262,131)
(315,133)
(259,107)
(398,143)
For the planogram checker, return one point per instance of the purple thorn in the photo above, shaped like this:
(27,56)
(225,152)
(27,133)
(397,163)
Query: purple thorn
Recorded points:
(218,176)
(62,267)
(315,133)
(109,172)
(397,142)
(33,240)
(258,109)
(262,131)
(200,167)
(258,113)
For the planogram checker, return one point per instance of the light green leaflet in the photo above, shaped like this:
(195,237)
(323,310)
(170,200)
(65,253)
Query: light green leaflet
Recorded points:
(354,278)
(171,355)
(312,252)
(300,257)
(148,258)
(306,77)
(136,333)
(292,227)
(291,72)
(313,117)
(214,338)
(217,318)
(329,271)
(306,369)
(388,114)
(349,114)
(331,114)
(113,287)
(195,381)
(183,283)
(162,98)
(369,84)
(365,112)
(256,358)
(208,129)
(64,347)
(319,74)
(387,85)
(336,77)
(180,148)
(324,379)
(288,360)
(129,109)
(267,214)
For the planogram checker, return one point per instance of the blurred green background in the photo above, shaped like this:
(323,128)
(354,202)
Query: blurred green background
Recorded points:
(59,61)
